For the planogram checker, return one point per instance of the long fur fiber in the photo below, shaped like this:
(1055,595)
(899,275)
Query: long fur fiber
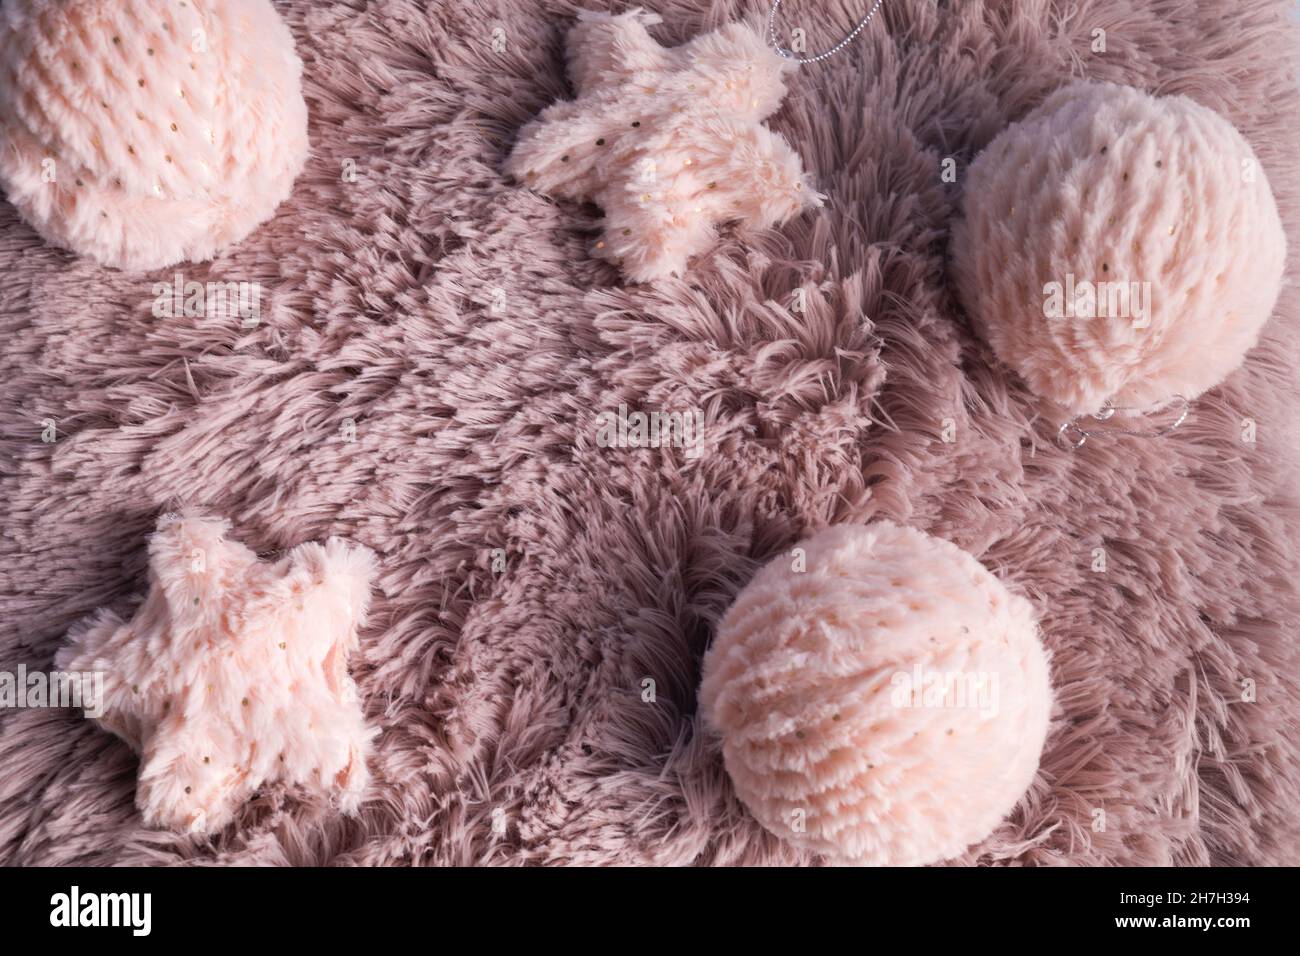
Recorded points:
(521,690)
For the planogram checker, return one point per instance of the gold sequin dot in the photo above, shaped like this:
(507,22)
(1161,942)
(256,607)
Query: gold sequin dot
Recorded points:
(173,127)
(141,81)
(244,702)
(713,185)
(600,245)
(168,158)
(117,41)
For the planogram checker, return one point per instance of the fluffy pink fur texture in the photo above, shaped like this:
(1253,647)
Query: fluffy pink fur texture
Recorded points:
(142,133)
(882,699)
(233,673)
(1159,208)
(666,142)
(530,581)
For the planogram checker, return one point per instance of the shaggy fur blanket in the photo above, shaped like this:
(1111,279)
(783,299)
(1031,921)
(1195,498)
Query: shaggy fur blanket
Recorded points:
(434,352)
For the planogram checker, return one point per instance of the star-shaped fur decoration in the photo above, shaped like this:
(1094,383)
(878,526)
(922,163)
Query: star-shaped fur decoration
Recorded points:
(669,142)
(233,673)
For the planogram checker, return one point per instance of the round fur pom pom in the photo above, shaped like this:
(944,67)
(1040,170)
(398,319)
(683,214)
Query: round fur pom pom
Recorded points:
(881,698)
(145,133)
(1119,248)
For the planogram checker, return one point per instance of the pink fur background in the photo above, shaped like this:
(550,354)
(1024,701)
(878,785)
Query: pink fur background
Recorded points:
(475,430)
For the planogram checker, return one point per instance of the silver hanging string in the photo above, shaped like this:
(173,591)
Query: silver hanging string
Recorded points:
(1076,436)
(790,54)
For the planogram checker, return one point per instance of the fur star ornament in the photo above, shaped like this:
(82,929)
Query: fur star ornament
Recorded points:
(232,674)
(669,142)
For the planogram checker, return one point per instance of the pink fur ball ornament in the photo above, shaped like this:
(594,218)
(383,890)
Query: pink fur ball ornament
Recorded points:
(146,133)
(1119,249)
(881,698)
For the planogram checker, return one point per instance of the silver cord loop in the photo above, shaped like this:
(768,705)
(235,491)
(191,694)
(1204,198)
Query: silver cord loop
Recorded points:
(1075,435)
(790,55)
